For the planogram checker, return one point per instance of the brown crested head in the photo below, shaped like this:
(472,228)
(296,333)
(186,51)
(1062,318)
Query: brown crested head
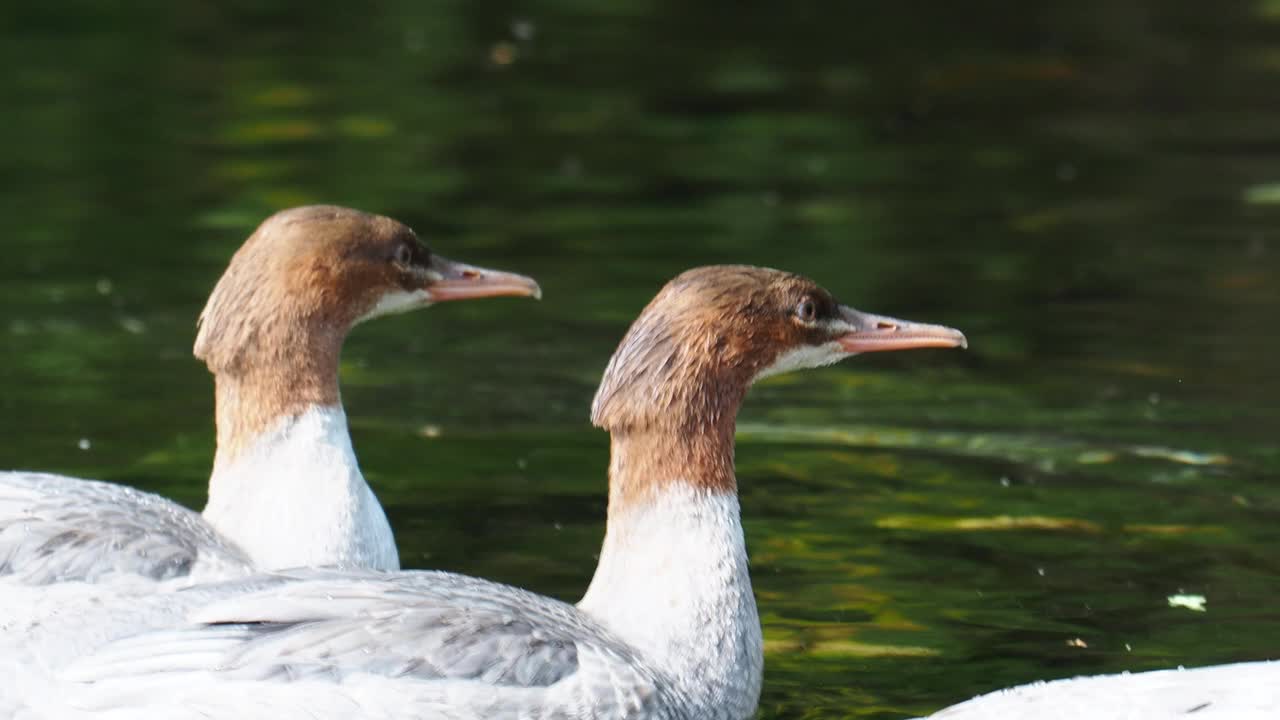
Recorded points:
(690,357)
(308,274)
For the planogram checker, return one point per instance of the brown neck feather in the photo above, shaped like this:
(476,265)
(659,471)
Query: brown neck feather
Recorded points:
(643,462)
(671,418)
(277,363)
(250,401)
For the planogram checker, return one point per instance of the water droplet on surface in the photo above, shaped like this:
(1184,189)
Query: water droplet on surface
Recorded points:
(502,54)
(571,166)
(523,30)
(133,325)
(415,40)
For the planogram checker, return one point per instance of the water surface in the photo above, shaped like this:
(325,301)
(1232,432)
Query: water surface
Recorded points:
(1089,191)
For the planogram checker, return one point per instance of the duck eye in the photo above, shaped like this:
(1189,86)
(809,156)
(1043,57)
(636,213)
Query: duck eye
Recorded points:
(404,255)
(806,310)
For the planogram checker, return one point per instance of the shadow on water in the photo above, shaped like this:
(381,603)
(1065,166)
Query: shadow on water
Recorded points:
(1089,191)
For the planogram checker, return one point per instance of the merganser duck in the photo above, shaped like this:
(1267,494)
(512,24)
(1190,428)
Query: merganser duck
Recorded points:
(1238,691)
(667,629)
(286,490)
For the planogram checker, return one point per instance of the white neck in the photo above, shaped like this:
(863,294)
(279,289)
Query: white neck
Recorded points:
(673,581)
(295,497)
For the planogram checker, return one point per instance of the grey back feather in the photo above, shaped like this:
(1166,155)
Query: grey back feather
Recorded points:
(419,628)
(57,529)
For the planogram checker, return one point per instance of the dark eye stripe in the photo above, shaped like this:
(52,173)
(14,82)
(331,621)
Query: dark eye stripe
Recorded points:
(824,307)
(409,251)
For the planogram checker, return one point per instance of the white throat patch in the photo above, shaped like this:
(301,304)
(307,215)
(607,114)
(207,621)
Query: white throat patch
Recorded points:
(397,301)
(805,356)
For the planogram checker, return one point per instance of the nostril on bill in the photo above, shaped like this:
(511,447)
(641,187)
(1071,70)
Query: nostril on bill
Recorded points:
(882,325)
(470,274)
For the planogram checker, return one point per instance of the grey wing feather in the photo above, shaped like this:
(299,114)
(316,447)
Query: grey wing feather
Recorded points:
(55,528)
(433,645)
(424,625)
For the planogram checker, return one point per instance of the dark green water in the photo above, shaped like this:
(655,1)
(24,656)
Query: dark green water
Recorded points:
(1090,191)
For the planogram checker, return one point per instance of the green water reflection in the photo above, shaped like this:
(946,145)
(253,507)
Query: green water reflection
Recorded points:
(1089,190)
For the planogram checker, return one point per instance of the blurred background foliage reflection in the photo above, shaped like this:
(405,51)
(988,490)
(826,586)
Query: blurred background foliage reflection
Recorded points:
(1088,189)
